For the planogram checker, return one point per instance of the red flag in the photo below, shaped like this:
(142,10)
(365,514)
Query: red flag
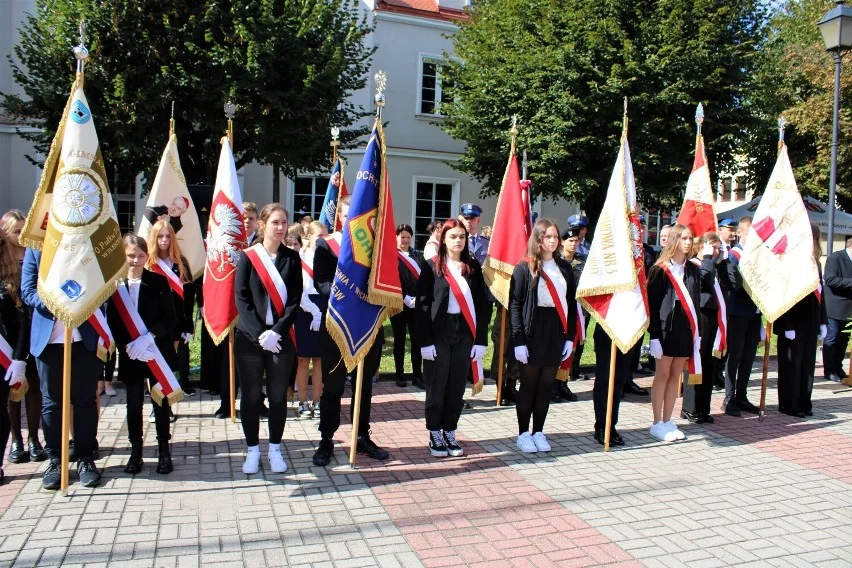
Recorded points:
(510,233)
(338,224)
(697,212)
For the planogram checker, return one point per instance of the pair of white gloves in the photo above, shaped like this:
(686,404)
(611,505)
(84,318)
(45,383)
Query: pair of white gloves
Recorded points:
(823,331)
(429,352)
(16,372)
(522,354)
(270,341)
(656,348)
(141,348)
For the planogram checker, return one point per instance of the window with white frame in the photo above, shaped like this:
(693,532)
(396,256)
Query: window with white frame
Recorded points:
(308,195)
(434,199)
(432,86)
(124,200)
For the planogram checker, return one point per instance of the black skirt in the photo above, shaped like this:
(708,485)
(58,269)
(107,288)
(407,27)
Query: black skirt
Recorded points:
(677,341)
(307,341)
(547,340)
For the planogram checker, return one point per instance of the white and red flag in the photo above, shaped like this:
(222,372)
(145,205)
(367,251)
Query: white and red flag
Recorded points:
(226,237)
(612,287)
(697,212)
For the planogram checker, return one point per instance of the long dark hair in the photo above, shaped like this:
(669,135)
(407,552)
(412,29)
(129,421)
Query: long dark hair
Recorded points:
(441,259)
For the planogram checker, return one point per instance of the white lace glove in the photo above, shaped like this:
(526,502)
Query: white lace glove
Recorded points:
(762,333)
(823,331)
(790,334)
(16,372)
(316,322)
(707,249)
(139,345)
(428,353)
(409,301)
(270,341)
(186,336)
(477,353)
(656,349)
(522,354)
(567,349)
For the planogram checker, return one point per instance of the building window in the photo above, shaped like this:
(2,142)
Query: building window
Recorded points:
(432,88)
(739,189)
(308,195)
(655,221)
(433,200)
(124,200)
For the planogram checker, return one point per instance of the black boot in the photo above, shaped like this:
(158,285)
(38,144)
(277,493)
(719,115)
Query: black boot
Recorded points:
(134,462)
(509,394)
(564,392)
(164,463)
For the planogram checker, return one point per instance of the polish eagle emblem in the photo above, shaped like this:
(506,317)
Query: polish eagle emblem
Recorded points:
(224,238)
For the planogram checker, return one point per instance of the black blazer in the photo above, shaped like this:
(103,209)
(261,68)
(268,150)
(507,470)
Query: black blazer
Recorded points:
(662,295)
(433,299)
(838,285)
(157,311)
(713,271)
(523,300)
(185,322)
(406,278)
(325,265)
(14,324)
(804,317)
(252,299)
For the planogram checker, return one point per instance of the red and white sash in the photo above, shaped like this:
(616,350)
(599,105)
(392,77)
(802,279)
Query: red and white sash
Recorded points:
(6,355)
(736,253)
(692,316)
(720,342)
(106,344)
(464,297)
(818,292)
(333,241)
(271,279)
(167,384)
(410,264)
(163,269)
(427,250)
(308,269)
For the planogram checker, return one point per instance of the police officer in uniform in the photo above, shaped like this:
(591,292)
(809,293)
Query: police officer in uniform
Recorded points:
(570,244)
(582,223)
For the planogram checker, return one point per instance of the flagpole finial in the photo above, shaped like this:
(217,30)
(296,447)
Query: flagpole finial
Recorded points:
(624,130)
(335,133)
(381,79)
(524,165)
(782,125)
(699,117)
(230,112)
(81,54)
(172,121)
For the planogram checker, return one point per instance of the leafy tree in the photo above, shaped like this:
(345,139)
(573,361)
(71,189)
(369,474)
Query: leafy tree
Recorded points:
(564,66)
(289,66)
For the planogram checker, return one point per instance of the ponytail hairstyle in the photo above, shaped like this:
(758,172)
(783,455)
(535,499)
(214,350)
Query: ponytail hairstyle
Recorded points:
(441,259)
(174,253)
(263,217)
(534,244)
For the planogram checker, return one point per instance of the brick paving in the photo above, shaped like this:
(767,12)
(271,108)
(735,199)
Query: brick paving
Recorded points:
(738,492)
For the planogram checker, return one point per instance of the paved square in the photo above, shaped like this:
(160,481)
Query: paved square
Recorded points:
(738,492)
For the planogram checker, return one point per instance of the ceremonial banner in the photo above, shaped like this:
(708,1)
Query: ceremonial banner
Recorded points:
(777,262)
(73,221)
(334,192)
(366,288)
(697,212)
(226,237)
(169,200)
(511,231)
(612,286)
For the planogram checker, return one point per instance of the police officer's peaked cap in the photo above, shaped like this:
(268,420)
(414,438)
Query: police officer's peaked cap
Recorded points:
(730,222)
(572,231)
(578,221)
(471,210)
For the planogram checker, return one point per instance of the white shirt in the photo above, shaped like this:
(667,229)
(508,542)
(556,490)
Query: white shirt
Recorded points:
(308,287)
(133,288)
(678,271)
(57,334)
(269,318)
(849,252)
(453,305)
(545,300)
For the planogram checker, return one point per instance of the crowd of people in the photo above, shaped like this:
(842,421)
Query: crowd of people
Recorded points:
(700,312)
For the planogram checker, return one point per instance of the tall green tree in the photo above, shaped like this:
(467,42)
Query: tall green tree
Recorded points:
(288,65)
(564,66)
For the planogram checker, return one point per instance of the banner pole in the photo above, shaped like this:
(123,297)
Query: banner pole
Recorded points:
(66,409)
(233,377)
(610,396)
(500,355)
(356,412)
(762,413)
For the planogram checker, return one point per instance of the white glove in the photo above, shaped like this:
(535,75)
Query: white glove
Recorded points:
(16,372)
(566,351)
(790,334)
(428,353)
(477,353)
(522,354)
(146,355)
(270,341)
(186,336)
(316,322)
(707,249)
(823,331)
(409,301)
(762,333)
(656,349)
(139,345)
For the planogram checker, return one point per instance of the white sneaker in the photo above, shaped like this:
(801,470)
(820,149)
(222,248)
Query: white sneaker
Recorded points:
(252,463)
(108,390)
(276,461)
(151,418)
(526,444)
(660,431)
(541,442)
(674,430)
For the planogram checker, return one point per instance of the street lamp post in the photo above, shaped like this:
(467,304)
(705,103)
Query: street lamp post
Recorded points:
(836,28)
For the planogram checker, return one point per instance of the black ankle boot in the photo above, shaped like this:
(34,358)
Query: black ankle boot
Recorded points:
(134,462)
(164,463)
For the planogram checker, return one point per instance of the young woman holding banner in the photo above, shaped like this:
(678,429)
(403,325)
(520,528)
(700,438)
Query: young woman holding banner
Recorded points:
(141,315)
(543,317)
(453,330)
(674,298)
(268,292)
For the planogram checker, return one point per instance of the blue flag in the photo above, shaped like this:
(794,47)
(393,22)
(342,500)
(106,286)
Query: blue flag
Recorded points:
(335,190)
(366,288)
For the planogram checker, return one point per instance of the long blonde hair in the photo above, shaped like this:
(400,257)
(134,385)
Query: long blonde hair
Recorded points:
(534,244)
(671,245)
(174,250)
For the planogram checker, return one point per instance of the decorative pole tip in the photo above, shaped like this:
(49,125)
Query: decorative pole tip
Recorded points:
(699,114)
(782,125)
(514,129)
(230,109)
(625,106)
(81,54)
(381,82)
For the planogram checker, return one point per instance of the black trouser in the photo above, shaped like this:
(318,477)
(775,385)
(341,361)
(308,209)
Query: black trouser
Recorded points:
(743,337)
(401,321)
(696,398)
(533,400)
(109,366)
(214,364)
(183,361)
(834,347)
(135,386)
(86,371)
(603,346)
(32,402)
(578,349)
(253,363)
(446,378)
(792,379)
(510,365)
(5,425)
(334,381)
